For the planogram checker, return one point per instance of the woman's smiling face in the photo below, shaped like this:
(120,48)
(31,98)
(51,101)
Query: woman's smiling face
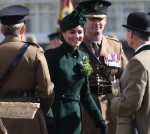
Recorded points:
(74,36)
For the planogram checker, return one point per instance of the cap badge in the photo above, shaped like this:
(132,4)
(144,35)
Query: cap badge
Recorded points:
(97,6)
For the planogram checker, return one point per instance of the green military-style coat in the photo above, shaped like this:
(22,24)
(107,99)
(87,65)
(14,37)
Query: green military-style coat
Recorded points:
(71,88)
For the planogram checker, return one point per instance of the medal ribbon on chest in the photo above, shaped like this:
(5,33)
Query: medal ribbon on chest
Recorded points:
(112,60)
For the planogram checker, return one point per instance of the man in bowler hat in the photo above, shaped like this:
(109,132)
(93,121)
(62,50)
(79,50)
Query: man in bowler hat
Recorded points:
(30,80)
(109,52)
(133,103)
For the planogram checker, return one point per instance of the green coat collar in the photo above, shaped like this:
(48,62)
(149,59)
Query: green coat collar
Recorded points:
(69,50)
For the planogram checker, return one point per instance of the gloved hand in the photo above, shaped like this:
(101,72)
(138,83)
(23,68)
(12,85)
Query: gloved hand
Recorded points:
(103,127)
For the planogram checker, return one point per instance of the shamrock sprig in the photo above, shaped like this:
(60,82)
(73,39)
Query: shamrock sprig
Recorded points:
(81,13)
(86,68)
(97,6)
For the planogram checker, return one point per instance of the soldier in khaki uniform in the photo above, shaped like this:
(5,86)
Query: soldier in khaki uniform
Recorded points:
(29,77)
(110,52)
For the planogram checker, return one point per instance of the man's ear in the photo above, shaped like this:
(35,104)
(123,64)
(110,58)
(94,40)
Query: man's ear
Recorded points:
(23,29)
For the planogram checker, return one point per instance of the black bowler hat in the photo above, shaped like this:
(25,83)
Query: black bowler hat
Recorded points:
(95,8)
(138,21)
(13,14)
(55,35)
(74,19)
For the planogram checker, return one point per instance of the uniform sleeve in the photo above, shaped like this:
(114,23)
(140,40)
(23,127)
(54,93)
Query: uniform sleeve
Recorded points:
(134,83)
(89,104)
(45,86)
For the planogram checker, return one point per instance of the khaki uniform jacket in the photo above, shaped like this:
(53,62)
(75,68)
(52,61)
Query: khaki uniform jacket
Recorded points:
(135,86)
(31,71)
(108,46)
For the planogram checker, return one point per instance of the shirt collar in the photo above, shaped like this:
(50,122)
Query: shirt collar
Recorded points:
(97,42)
(141,47)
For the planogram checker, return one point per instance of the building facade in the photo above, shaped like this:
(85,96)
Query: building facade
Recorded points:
(43,18)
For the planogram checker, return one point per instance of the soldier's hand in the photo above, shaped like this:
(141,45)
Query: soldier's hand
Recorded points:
(116,88)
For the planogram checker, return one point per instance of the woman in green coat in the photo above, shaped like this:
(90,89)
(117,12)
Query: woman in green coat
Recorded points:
(70,80)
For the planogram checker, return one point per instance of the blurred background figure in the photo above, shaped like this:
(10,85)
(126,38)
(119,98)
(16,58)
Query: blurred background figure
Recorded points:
(54,39)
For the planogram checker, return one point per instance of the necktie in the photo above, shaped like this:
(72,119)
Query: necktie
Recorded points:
(96,48)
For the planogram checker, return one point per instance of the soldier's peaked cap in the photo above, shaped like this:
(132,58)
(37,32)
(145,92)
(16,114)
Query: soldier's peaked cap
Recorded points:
(14,14)
(95,8)
(55,35)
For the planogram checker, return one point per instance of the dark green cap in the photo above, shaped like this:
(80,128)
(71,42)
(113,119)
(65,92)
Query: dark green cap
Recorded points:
(55,35)
(95,8)
(74,19)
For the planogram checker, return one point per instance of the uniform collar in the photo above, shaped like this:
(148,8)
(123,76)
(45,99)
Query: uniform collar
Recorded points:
(104,45)
(12,39)
(141,47)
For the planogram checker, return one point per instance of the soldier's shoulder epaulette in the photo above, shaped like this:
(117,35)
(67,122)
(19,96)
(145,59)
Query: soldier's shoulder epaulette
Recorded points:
(112,38)
(33,44)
